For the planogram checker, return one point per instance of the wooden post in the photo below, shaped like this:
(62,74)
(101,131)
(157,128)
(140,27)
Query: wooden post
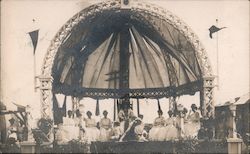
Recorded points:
(138,107)
(234,143)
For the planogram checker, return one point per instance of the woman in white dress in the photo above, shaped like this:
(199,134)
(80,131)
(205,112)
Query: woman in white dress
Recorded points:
(192,125)
(92,133)
(71,131)
(116,131)
(157,131)
(80,124)
(105,127)
(171,127)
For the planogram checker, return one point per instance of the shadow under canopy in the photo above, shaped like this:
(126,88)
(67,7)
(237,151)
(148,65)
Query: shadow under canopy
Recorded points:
(113,53)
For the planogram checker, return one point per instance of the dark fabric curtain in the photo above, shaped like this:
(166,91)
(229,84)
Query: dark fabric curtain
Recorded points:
(90,57)
(58,113)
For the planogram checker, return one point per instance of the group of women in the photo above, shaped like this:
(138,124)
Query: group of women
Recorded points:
(164,129)
(170,128)
(88,129)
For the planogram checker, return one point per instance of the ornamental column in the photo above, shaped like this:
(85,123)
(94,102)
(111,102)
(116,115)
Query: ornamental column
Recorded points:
(207,104)
(234,143)
(207,97)
(46,97)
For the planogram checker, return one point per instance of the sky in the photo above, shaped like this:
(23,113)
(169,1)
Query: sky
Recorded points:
(17,60)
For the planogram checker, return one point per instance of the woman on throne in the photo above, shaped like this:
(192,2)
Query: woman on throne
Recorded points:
(125,115)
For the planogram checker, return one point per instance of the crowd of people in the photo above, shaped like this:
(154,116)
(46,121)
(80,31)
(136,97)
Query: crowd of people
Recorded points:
(128,126)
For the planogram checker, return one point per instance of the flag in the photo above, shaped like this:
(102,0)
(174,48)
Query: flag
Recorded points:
(34,38)
(20,107)
(214,29)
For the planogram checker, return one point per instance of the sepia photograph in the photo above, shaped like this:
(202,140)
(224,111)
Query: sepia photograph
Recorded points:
(125,76)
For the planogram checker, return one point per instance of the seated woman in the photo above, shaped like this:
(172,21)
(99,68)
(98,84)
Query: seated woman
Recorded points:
(141,134)
(60,135)
(171,127)
(69,121)
(192,125)
(71,131)
(92,133)
(116,131)
(105,127)
(158,130)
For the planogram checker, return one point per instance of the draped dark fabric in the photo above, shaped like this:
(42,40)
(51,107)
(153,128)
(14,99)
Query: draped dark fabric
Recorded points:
(63,109)
(97,109)
(58,113)
(117,51)
(159,105)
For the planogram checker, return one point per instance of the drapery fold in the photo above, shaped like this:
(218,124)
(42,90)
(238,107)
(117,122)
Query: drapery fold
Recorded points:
(90,57)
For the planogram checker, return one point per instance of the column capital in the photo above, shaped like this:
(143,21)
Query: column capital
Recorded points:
(212,77)
(45,78)
(45,82)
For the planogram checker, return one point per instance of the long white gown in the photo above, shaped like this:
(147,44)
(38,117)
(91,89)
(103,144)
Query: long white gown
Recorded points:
(105,129)
(192,125)
(171,129)
(157,132)
(92,133)
(70,129)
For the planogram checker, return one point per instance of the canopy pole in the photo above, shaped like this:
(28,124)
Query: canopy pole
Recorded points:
(217,57)
(34,69)
(138,107)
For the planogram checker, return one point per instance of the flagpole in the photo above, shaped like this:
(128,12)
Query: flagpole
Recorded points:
(217,52)
(34,69)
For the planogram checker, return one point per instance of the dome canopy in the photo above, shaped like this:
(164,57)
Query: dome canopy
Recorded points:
(117,52)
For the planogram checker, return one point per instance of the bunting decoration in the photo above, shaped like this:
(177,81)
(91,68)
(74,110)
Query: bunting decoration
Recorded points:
(63,109)
(159,105)
(34,39)
(59,113)
(97,110)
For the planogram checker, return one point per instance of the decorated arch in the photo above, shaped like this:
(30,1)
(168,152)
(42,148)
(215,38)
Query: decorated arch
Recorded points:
(146,39)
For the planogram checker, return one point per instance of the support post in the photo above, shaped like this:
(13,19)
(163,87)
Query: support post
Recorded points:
(207,104)
(75,104)
(172,104)
(46,97)
(207,97)
(46,101)
(234,143)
